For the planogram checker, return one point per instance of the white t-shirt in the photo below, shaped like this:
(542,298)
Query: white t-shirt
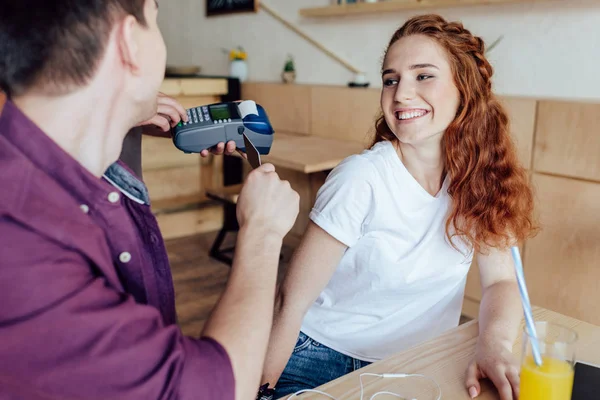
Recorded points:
(400,282)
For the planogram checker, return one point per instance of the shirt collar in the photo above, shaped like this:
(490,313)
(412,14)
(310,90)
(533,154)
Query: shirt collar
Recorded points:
(46,155)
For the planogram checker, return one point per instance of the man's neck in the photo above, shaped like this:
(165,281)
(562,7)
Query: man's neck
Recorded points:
(87,124)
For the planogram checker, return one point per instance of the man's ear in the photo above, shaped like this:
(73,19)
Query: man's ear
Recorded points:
(127,37)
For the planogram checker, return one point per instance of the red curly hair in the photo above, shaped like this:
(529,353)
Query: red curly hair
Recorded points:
(492,201)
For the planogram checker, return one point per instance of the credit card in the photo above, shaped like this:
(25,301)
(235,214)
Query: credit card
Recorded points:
(252,153)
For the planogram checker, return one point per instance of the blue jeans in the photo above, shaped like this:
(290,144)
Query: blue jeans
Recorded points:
(313,364)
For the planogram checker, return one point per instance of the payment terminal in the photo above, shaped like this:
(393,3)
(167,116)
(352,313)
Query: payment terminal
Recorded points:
(222,122)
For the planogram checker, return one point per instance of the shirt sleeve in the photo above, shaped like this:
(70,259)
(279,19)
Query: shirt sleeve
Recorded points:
(66,334)
(345,200)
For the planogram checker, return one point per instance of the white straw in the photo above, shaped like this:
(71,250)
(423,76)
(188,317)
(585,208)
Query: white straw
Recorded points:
(526,306)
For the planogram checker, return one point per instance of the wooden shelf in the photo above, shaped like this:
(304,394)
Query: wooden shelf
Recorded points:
(397,5)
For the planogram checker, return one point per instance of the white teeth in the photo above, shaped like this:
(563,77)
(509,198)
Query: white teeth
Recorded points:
(410,114)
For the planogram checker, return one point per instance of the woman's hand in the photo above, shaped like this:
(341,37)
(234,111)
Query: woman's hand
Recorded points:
(494,360)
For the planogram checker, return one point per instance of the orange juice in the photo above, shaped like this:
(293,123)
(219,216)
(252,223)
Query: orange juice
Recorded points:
(552,381)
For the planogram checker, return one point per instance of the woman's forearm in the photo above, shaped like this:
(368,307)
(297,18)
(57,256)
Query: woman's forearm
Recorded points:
(286,327)
(500,313)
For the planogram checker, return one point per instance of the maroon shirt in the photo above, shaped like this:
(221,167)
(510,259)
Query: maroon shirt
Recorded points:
(86,295)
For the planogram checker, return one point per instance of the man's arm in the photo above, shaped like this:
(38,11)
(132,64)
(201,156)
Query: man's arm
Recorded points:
(242,319)
(66,333)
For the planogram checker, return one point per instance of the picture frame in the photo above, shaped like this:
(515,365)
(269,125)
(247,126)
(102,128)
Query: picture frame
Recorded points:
(224,7)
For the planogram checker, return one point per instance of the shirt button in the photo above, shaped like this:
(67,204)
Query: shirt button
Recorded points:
(113,197)
(125,257)
(84,208)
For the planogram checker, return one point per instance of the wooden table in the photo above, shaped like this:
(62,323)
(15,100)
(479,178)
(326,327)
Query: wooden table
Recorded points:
(445,359)
(308,153)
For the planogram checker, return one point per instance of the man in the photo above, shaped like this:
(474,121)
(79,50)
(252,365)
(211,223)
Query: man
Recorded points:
(86,298)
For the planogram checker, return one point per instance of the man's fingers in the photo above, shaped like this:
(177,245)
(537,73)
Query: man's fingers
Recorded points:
(218,149)
(230,148)
(241,153)
(266,168)
(169,112)
(159,121)
(169,101)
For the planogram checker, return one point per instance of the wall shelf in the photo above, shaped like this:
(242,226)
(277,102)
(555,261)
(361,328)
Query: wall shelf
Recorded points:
(397,5)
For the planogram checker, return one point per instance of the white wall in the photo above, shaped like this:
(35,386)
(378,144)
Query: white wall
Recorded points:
(549,49)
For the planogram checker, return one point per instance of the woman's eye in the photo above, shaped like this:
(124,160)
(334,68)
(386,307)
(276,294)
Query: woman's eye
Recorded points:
(390,82)
(423,77)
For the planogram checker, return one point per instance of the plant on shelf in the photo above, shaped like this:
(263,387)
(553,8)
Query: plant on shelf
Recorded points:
(238,67)
(289,70)
(237,54)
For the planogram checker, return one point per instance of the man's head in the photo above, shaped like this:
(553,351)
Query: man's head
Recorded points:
(57,48)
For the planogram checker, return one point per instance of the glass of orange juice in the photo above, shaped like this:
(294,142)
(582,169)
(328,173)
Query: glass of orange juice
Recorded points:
(553,380)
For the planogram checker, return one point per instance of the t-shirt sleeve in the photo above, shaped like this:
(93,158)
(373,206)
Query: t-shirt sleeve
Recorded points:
(345,200)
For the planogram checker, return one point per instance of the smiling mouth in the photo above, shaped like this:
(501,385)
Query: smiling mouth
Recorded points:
(410,115)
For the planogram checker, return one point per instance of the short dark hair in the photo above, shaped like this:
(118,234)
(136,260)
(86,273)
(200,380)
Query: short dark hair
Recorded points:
(57,44)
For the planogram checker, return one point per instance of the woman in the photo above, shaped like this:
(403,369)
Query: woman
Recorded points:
(383,263)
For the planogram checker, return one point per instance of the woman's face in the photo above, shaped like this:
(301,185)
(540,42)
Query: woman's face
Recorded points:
(419,98)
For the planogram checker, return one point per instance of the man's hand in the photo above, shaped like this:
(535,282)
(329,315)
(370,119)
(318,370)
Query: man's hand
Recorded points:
(168,114)
(222,148)
(267,202)
(496,362)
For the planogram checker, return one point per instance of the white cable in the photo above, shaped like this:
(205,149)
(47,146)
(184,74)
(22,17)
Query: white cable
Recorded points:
(386,375)
(312,390)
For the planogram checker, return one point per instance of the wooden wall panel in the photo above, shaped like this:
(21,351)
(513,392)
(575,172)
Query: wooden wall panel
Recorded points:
(288,106)
(522,114)
(344,113)
(190,222)
(193,87)
(562,263)
(160,153)
(568,139)
(169,183)
(195,101)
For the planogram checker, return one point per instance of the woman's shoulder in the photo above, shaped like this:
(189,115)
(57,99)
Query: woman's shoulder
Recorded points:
(365,163)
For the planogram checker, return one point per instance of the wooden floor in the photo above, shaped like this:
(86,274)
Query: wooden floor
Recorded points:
(199,279)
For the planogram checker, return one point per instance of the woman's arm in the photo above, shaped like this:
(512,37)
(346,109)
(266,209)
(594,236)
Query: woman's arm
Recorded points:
(312,265)
(500,316)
